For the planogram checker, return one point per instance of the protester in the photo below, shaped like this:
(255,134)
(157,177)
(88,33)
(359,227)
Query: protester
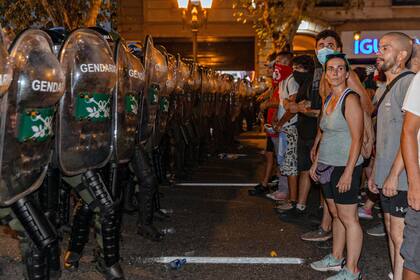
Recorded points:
(281,70)
(388,173)
(327,42)
(285,124)
(338,167)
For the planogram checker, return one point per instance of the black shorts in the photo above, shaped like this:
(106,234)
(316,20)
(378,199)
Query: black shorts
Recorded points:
(270,145)
(304,147)
(396,206)
(330,189)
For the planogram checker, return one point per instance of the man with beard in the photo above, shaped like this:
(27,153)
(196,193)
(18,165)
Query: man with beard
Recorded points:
(388,174)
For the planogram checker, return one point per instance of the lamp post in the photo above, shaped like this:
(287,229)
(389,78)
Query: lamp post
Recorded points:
(196,12)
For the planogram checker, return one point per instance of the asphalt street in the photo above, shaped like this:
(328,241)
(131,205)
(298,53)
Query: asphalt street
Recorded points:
(221,221)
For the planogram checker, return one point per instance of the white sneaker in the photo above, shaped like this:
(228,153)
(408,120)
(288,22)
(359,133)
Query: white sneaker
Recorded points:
(277,196)
(391,275)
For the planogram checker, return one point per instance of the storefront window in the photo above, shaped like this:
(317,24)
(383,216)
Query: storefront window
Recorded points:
(330,3)
(405,2)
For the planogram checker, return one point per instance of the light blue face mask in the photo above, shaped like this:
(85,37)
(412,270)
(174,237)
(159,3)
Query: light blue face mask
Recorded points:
(322,54)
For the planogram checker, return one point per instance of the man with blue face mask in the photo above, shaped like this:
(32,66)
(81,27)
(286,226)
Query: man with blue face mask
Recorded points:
(308,108)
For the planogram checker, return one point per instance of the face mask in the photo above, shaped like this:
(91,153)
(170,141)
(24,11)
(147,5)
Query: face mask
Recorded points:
(301,77)
(322,54)
(280,73)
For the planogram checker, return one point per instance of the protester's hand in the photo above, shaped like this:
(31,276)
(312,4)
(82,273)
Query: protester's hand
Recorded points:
(373,188)
(293,107)
(263,106)
(260,98)
(413,196)
(312,172)
(286,103)
(344,184)
(390,186)
(277,126)
(302,107)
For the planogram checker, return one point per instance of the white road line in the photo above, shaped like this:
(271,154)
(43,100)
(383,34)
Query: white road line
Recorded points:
(216,184)
(228,260)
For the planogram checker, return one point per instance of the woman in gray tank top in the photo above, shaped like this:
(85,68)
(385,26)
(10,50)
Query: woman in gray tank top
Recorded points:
(338,168)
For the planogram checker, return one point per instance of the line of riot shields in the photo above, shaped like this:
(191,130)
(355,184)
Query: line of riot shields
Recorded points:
(90,126)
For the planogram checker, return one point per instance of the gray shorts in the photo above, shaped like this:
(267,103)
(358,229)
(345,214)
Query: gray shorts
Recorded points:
(411,245)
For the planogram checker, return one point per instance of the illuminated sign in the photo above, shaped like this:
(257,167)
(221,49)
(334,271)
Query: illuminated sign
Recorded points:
(369,46)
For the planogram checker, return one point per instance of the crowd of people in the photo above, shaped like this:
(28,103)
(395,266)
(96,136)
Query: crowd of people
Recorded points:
(344,129)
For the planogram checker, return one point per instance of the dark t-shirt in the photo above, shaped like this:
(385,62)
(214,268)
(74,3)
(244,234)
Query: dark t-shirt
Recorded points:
(307,126)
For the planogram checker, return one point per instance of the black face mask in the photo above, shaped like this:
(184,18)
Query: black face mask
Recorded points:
(301,77)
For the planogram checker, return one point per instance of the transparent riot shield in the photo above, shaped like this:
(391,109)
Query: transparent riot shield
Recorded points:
(84,122)
(36,88)
(126,101)
(156,72)
(6,71)
(164,99)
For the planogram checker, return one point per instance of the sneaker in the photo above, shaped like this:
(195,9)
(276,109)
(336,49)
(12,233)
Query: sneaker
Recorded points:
(365,213)
(391,275)
(293,215)
(280,208)
(277,195)
(328,263)
(378,230)
(317,235)
(346,274)
(258,190)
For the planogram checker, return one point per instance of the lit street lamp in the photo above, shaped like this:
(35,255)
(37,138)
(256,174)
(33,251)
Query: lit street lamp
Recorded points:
(196,12)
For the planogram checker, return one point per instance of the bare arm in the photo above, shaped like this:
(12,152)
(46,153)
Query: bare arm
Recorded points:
(287,115)
(410,150)
(355,122)
(316,144)
(391,182)
(354,112)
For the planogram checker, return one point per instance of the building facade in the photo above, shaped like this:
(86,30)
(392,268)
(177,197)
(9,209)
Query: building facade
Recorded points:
(227,44)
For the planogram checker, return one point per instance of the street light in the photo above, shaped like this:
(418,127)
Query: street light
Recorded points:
(196,12)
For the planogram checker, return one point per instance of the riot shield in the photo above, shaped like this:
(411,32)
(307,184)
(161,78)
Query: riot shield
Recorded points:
(164,98)
(36,88)
(6,71)
(156,72)
(126,100)
(205,89)
(84,122)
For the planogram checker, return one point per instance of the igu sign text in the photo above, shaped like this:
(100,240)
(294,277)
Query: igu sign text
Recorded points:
(369,46)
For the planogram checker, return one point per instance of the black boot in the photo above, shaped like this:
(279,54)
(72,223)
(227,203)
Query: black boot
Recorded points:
(128,197)
(108,262)
(145,197)
(145,225)
(35,261)
(113,272)
(54,266)
(79,235)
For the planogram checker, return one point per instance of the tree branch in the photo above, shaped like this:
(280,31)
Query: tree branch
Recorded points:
(93,13)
